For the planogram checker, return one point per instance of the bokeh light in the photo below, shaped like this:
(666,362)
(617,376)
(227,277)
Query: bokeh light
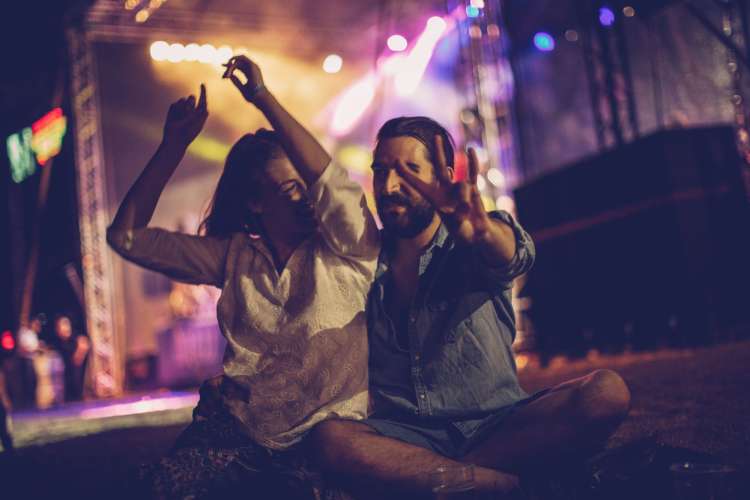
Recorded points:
(332,63)
(159,50)
(397,43)
(606,16)
(544,41)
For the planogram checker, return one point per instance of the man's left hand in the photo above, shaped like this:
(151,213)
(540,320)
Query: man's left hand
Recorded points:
(458,203)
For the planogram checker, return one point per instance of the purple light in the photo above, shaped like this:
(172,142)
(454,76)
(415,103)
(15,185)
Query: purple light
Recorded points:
(606,16)
(544,42)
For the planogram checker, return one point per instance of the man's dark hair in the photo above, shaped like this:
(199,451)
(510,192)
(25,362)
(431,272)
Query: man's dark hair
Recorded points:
(422,129)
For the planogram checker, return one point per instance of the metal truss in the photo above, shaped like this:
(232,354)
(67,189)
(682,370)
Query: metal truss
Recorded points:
(104,364)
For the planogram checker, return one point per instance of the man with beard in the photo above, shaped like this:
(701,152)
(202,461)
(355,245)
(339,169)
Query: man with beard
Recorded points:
(440,323)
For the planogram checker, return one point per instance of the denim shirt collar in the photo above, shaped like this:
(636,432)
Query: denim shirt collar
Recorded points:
(440,240)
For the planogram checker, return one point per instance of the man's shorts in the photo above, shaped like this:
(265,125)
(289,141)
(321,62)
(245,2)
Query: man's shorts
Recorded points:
(442,436)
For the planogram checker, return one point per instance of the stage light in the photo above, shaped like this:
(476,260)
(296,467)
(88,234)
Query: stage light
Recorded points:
(407,79)
(606,16)
(131,4)
(479,4)
(176,53)
(571,35)
(223,54)
(159,50)
(206,53)
(481,183)
(475,31)
(332,63)
(155,4)
(496,177)
(397,43)
(544,42)
(493,30)
(7,341)
(353,104)
(472,11)
(436,25)
(142,16)
(192,51)
(628,11)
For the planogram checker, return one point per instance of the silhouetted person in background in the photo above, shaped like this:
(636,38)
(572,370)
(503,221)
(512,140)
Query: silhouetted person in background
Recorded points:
(5,406)
(73,348)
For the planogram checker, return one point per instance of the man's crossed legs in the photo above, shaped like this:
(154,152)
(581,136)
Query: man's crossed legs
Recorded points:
(572,419)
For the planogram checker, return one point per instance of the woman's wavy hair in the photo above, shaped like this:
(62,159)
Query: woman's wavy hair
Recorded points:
(240,182)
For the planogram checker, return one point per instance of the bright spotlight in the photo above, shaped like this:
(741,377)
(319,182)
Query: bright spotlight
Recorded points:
(332,63)
(176,53)
(192,51)
(397,43)
(223,54)
(206,53)
(544,42)
(436,25)
(159,50)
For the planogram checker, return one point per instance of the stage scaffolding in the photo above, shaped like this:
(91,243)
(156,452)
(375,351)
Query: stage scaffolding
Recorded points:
(105,367)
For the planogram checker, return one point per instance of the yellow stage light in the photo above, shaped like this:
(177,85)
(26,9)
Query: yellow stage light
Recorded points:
(159,50)
(176,53)
(192,52)
(142,16)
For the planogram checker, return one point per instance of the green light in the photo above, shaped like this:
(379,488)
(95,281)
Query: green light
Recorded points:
(21,156)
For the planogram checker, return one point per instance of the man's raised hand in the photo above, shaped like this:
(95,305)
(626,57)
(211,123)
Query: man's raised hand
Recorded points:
(253,84)
(185,119)
(458,203)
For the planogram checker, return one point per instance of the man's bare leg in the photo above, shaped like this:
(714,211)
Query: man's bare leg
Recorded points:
(573,418)
(373,466)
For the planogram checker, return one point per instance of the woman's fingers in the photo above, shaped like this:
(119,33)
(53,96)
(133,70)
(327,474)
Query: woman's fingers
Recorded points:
(202,100)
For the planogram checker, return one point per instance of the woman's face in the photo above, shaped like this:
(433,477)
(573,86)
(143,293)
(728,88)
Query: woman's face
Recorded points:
(284,201)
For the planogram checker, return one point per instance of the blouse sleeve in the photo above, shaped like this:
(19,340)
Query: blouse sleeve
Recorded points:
(347,225)
(182,257)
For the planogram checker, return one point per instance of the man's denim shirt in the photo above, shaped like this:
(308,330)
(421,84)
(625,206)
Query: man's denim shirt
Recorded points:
(461,326)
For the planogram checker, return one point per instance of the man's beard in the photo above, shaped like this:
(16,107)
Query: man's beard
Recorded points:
(412,221)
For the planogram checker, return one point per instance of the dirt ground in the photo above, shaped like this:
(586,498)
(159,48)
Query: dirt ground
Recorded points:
(688,399)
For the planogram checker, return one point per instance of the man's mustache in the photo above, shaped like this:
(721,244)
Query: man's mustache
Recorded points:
(394,199)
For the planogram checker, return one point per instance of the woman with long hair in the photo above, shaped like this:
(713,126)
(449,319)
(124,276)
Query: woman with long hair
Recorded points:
(291,243)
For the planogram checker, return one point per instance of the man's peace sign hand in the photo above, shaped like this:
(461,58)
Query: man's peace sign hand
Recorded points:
(458,203)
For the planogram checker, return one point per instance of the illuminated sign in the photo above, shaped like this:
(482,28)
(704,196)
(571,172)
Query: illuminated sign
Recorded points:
(35,144)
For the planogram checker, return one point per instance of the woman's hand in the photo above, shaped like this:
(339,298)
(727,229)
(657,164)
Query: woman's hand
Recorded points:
(185,120)
(253,85)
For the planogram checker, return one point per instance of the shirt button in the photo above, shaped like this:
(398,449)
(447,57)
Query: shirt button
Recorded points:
(422,396)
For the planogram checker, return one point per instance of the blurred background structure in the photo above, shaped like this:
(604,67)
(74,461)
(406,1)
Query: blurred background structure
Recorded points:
(615,130)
